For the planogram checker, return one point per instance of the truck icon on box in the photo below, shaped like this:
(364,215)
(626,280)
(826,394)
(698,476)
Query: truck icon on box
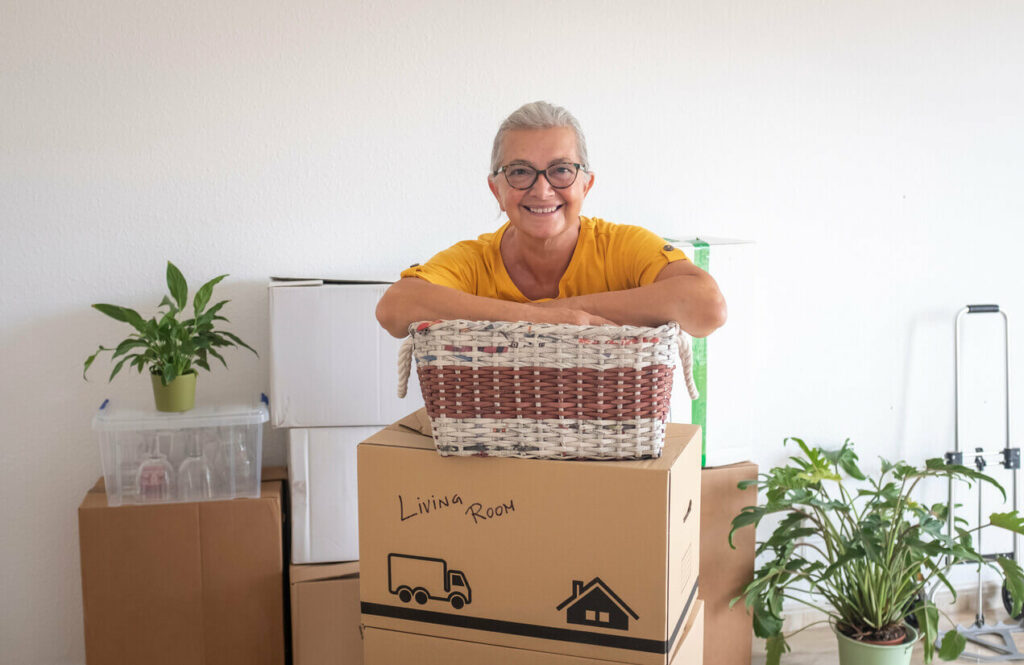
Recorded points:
(426,578)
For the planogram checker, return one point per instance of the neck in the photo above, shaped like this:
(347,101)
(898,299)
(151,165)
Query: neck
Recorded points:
(544,259)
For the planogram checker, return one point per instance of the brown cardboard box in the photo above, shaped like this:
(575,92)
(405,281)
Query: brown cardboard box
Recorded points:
(325,614)
(388,647)
(583,558)
(183,583)
(725,571)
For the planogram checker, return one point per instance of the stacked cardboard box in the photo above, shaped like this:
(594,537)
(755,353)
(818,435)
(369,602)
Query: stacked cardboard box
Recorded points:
(333,375)
(471,559)
(325,614)
(333,382)
(184,583)
(724,570)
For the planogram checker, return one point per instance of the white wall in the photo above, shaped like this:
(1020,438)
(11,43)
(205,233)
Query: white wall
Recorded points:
(874,150)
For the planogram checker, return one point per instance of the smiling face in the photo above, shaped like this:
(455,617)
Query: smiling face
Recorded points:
(541,212)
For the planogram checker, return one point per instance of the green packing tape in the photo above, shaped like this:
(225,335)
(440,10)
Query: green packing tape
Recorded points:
(699,406)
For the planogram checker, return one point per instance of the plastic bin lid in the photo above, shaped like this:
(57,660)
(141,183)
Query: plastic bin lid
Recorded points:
(111,417)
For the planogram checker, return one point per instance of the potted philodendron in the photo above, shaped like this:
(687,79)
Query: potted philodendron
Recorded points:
(862,551)
(172,348)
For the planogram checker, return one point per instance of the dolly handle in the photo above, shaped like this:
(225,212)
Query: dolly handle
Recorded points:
(983,309)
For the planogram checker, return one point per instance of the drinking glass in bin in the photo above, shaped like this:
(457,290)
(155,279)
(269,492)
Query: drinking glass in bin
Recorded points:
(194,478)
(155,479)
(235,468)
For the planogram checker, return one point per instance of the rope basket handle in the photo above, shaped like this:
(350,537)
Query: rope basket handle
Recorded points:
(404,366)
(685,358)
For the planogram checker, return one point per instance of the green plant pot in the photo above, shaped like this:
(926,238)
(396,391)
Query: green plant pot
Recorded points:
(854,652)
(179,395)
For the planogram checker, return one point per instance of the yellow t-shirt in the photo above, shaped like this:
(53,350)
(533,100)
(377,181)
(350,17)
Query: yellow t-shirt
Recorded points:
(608,257)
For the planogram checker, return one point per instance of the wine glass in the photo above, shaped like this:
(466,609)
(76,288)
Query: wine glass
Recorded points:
(154,482)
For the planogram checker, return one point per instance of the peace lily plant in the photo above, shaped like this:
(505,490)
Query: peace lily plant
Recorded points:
(871,552)
(172,348)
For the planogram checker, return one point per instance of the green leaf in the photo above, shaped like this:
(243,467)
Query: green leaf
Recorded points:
(88,363)
(202,296)
(168,373)
(749,515)
(216,355)
(1014,582)
(765,624)
(125,314)
(177,285)
(234,338)
(127,345)
(775,647)
(117,368)
(113,311)
(953,644)
(928,619)
(168,319)
(1010,521)
(938,467)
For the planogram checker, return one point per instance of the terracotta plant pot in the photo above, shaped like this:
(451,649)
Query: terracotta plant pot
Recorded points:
(179,395)
(855,652)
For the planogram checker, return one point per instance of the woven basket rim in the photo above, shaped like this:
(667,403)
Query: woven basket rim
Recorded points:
(466,324)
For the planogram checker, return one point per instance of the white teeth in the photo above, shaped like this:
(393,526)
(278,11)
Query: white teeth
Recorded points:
(541,211)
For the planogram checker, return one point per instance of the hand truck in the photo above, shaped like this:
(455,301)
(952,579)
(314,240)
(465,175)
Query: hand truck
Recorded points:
(994,642)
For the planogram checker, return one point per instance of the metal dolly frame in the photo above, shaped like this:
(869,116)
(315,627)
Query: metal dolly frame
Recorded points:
(994,642)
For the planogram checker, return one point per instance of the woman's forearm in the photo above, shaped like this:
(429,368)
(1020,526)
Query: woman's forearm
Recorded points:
(693,301)
(413,299)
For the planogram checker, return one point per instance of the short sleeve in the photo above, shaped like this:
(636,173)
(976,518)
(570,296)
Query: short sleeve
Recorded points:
(644,254)
(455,267)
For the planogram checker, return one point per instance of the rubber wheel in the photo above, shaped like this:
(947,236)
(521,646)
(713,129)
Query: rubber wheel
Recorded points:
(421,597)
(457,602)
(1008,603)
(405,595)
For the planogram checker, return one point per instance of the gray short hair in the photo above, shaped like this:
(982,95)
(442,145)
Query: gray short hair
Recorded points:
(539,115)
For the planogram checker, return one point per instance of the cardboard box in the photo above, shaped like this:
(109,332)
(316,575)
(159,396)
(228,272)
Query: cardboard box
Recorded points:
(331,364)
(322,482)
(387,647)
(325,614)
(725,571)
(183,583)
(595,559)
(725,362)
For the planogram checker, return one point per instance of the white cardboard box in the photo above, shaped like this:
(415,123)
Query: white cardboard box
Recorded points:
(322,482)
(331,364)
(728,392)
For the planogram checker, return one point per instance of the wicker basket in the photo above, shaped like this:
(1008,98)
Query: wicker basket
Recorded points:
(546,391)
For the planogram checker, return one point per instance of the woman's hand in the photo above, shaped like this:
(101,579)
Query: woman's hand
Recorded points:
(557,311)
(566,310)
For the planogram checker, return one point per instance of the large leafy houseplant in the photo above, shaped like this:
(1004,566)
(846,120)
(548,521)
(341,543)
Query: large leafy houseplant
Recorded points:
(862,545)
(169,346)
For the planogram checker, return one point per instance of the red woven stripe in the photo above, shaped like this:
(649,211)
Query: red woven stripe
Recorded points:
(546,392)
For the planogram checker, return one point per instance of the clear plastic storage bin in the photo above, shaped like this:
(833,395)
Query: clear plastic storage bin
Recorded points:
(208,453)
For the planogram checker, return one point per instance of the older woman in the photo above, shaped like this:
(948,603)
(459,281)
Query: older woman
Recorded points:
(548,264)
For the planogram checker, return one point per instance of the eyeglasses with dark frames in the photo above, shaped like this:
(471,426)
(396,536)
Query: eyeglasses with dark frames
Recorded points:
(523,176)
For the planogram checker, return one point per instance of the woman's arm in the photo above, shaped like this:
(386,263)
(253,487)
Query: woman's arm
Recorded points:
(682,292)
(412,299)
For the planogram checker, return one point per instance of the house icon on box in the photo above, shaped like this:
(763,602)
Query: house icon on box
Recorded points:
(595,604)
